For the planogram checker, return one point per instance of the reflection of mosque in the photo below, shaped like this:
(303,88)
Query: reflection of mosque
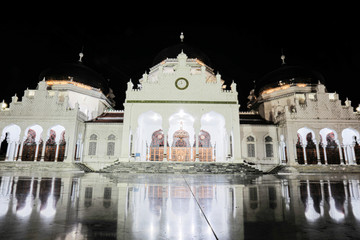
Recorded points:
(91,208)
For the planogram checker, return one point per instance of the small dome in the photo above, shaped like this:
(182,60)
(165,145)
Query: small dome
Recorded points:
(76,72)
(288,75)
(173,52)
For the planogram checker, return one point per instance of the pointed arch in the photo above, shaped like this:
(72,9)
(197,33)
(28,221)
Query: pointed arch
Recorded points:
(9,141)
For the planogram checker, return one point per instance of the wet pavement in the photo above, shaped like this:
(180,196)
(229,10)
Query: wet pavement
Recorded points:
(175,206)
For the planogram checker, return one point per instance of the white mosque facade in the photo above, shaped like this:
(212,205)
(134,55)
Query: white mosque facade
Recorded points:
(180,111)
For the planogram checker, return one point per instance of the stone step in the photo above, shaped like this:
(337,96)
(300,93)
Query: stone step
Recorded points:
(179,167)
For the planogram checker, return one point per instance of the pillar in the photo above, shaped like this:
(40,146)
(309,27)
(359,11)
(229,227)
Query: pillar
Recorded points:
(43,152)
(7,151)
(352,146)
(304,152)
(340,152)
(197,145)
(57,151)
(317,153)
(165,146)
(21,150)
(325,156)
(36,151)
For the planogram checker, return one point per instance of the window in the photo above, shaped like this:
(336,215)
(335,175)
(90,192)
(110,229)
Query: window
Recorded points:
(251,146)
(110,149)
(93,137)
(269,147)
(92,144)
(111,137)
(110,145)
(92,148)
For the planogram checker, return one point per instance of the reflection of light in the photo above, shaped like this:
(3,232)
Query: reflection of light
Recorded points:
(49,210)
(4,206)
(310,212)
(333,212)
(26,210)
(355,205)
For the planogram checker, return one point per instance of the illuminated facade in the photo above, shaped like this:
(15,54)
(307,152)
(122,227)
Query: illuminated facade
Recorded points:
(180,111)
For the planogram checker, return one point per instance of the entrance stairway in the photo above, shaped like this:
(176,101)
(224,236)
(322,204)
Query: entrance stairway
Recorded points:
(83,167)
(180,167)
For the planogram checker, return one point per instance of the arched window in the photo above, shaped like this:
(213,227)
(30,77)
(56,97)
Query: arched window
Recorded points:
(269,151)
(110,145)
(250,146)
(92,144)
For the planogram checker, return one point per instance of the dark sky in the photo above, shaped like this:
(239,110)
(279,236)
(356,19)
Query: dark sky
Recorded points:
(242,50)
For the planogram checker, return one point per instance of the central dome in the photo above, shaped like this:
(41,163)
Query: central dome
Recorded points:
(173,52)
(76,72)
(288,75)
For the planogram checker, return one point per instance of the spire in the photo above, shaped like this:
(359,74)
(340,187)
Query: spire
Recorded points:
(182,37)
(282,57)
(81,54)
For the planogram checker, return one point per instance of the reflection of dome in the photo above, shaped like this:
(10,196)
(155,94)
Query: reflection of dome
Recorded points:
(173,52)
(76,72)
(288,75)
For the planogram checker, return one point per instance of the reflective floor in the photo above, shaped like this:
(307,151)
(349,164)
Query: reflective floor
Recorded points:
(145,206)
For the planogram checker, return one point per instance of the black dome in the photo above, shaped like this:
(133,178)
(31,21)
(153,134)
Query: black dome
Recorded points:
(286,75)
(78,72)
(175,50)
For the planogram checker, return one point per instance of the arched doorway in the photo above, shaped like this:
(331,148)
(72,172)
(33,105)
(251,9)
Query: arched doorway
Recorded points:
(181,149)
(55,145)
(10,137)
(306,146)
(330,152)
(156,151)
(32,145)
(205,148)
(351,146)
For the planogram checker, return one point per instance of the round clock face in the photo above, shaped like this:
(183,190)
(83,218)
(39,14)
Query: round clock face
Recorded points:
(181,83)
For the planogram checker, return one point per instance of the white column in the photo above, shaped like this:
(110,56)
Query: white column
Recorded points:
(353,154)
(340,152)
(21,150)
(16,150)
(165,146)
(36,151)
(43,152)
(57,151)
(317,153)
(304,152)
(325,156)
(7,151)
(196,145)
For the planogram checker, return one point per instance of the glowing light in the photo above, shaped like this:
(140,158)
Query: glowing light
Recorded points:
(271,90)
(207,118)
(3,105)
(155,117)
(64,82)
(181,113)
(301,84)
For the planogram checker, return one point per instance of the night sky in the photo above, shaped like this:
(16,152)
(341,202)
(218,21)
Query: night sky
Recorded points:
(241,50)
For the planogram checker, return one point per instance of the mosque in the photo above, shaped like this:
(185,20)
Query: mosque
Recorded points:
(181,111)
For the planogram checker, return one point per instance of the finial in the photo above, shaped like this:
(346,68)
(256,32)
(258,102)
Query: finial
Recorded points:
(81,55)
(282,57)
(182,37)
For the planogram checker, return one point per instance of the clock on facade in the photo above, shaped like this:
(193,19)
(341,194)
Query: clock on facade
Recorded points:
(181,83)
